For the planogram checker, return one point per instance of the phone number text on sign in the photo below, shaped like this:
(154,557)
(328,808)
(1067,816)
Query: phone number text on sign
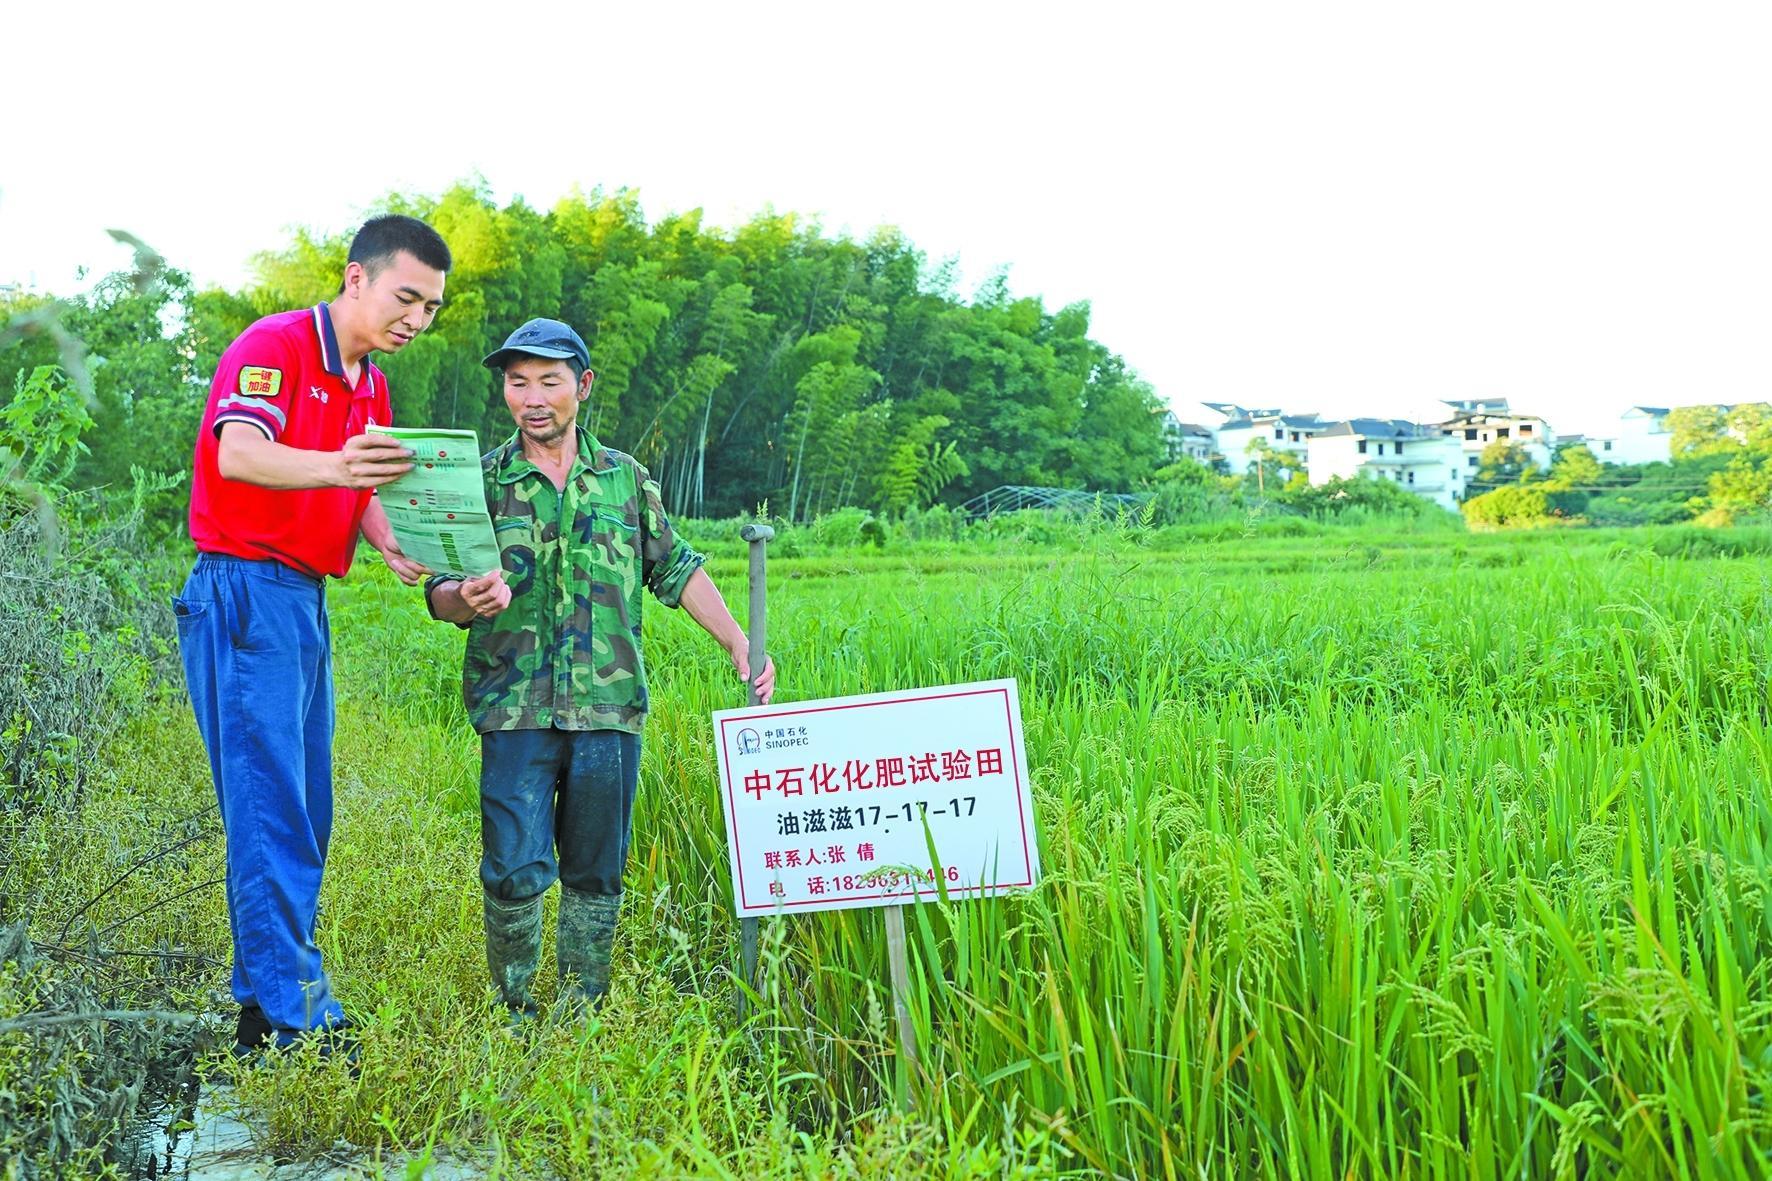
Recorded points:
(834,803)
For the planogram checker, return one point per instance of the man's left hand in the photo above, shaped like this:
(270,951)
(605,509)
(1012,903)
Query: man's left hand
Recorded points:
(765,682)
(404,568)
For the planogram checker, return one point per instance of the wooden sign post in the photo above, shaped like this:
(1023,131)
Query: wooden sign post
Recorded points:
(900,965)
(759,537)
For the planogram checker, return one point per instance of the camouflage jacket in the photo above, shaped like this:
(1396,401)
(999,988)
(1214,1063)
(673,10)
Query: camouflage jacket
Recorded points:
(566,652)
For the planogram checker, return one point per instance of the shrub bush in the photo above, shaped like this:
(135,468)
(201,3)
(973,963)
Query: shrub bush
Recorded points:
(1340,495)
(70,1088)
(1513,506)
(841,528)
(84,629)
(1696,542)
(936,523)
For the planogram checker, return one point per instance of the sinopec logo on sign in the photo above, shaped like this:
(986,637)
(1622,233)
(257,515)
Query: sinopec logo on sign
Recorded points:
(748,742)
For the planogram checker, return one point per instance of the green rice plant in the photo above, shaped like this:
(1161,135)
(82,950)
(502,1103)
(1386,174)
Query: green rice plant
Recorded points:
(1366,853)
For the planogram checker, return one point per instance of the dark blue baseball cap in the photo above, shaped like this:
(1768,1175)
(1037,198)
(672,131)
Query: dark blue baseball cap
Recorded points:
(541,338)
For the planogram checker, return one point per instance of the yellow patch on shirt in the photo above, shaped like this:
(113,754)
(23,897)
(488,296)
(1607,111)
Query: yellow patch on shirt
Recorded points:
(258,382)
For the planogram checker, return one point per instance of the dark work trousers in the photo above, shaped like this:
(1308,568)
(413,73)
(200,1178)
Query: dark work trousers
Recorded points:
(556,804)
(257,651)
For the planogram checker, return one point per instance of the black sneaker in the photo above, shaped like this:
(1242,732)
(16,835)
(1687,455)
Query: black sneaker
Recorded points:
(329,1041)
(252,1032)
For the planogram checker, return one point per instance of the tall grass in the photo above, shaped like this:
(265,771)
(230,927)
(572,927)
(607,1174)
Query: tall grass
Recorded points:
(1365,855)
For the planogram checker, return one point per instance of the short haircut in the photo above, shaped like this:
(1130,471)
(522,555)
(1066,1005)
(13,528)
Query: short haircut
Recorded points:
(381,238)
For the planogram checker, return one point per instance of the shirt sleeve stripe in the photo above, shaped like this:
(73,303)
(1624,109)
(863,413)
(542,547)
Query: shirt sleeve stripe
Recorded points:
(271,408)
(246,416)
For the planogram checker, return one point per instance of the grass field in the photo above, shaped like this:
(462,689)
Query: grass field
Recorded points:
(1367,854)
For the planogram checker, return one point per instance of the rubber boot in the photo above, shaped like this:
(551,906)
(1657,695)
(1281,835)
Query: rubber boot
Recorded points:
(586,944)
(513,948)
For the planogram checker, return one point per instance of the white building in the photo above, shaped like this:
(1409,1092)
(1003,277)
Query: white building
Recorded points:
(1288,436)
(1476,405)
(1187,439)
(1418,459)
(1213,415)
(1641,436)
(1478,422)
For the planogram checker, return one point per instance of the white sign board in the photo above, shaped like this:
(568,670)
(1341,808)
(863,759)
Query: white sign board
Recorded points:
(826,802)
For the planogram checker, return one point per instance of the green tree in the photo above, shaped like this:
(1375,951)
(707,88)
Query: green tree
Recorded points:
(1576,467)
(40,429)
(708,345)
(1114,446)
(730,329)
(1514,506)
(1502,462)
(1341,494)
(1751,424)
(1697,430)
(1262,453)
(919,467)
(826,395)
(1745,485)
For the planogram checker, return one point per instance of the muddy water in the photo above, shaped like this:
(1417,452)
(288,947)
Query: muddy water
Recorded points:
(158,1141)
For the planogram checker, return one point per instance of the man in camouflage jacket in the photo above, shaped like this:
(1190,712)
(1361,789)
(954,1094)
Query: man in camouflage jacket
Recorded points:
(553,675)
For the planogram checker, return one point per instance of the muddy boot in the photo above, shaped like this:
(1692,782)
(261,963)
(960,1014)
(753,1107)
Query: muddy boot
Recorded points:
(586,942)
(513,947)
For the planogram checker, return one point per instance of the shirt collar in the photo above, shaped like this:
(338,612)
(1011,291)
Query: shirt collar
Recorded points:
(330,354)
(512,466)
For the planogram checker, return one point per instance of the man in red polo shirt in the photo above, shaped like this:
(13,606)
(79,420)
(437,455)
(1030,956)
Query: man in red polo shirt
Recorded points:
(285,468)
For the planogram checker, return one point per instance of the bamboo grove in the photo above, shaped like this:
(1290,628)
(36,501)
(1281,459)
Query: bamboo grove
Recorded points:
(769,363)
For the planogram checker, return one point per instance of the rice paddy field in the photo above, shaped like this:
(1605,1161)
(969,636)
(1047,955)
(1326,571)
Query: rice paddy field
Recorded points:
(1366,853)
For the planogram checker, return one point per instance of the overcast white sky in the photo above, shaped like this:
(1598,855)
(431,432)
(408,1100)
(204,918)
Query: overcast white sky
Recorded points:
(1350,207)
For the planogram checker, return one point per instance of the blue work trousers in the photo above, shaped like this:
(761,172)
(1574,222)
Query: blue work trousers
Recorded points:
(257,652)
(556,804)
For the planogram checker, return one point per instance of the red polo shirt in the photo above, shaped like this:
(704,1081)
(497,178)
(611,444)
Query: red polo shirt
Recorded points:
(285,376)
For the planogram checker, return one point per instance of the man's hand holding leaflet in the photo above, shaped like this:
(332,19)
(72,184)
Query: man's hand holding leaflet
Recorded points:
(438,509)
